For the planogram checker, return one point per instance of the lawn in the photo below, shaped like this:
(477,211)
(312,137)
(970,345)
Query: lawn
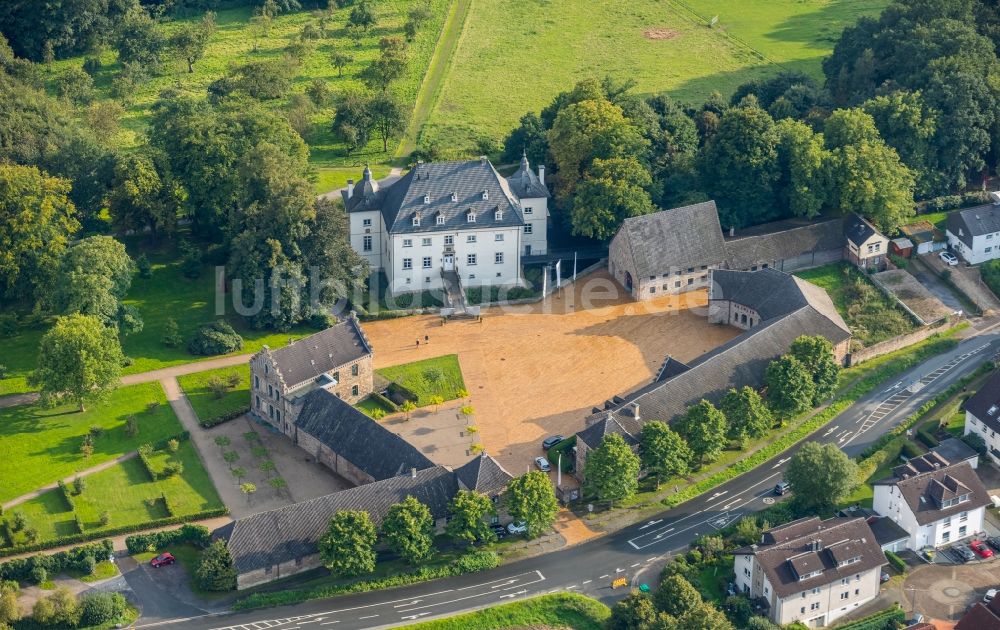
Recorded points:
(41,445)
(234,41)
(369,405)
(128,494)
(206,404)
(440,376)
(514,56)
(564,610)
(871,316)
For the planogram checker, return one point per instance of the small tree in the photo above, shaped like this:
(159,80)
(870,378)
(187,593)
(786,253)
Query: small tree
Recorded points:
(230,457)
(267,467)
(437,400)
(407,408)
(222,442)
(468,411)
(10,611)
(664,452)
(348,546)
(816,354)
(469,510)
(277,483)
(611,471)
(173,445)
(362,16)
(703,427)
(408,529)
(215,571)
(635,612)
(248,489)
(105,518)
(531,500)
(340,60)
(238,472)
(790,388)
(388,117)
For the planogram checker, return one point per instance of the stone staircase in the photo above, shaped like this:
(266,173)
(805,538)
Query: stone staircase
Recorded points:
(455,295)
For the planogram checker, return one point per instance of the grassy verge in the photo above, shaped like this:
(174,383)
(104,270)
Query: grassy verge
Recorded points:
(209,406)
(439,376)
(565,610)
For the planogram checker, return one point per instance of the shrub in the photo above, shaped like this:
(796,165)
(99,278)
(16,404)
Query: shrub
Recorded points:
(92,65)
(39,575)
(321,321)
(215,338)
(8,324)
(172,469)
(131,427)
(96,431)
(3,371)
(190,261)
(173,445)
(899,261)
(105,518)
(233,379)
(896,562)
(143,265)
(215,570)
(171,334)
(19,521)
(197,535)
(102,608)
(87,565)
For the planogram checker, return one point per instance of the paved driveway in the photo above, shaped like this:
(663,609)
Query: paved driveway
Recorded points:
(945,592)
(934,284)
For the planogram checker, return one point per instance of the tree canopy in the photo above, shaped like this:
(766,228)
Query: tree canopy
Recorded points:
(469,510)
(348,546)
(79,360)
(820,475)
(530,499)
(611,471)
(664,452)
(703,427)
(408,529)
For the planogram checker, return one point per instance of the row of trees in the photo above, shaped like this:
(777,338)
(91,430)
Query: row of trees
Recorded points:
(62,609)
(795,382)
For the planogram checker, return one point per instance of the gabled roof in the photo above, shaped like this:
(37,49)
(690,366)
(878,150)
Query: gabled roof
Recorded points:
(674,239)
(857,230)
(357,438)
(783,240)
(285,534)
(809,545)
(305,359)
(525,183)
(773,293)
(484,475)
(440,182)
(976,221)
(981,616)
(607,423)
(924,491)
(985,404)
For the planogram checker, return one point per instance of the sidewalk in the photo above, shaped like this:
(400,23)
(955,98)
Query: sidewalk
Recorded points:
(82,473)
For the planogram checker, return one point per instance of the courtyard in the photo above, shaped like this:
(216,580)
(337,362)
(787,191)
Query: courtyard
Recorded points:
(537,370)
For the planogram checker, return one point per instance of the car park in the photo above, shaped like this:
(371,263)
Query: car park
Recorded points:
(543,464)
(949,258)
(517,528)
(551,441)
(782,488)
(993,541)
(162,560)
(962,553)
(981,549)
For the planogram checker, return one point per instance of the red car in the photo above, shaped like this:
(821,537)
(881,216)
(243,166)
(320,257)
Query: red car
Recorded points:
(162,560)
(981,549)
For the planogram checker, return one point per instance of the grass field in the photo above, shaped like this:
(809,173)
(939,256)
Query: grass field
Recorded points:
(203,399)
(516,55)
(127,493)
(438,376)
(41,445)
(565,610)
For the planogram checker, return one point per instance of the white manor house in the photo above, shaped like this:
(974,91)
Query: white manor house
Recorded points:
(443,217)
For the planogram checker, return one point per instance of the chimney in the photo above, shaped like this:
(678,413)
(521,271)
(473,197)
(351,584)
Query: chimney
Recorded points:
(541,173)
(635,410)
(350,188)
(413,473)
(482,160)
(732,231)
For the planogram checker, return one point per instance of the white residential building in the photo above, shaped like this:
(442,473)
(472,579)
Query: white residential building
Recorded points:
(810,570)
(440,217)
(937,502)
(982,416)
(974,233)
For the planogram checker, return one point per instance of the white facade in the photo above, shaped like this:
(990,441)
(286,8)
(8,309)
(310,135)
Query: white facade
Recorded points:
(534,237)
(890,503)
(980,428)
(368,236)
(984,247)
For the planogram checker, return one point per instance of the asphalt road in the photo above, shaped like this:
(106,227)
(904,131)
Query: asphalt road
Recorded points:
(591,567)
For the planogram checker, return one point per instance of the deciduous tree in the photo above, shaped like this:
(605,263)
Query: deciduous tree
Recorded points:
(664,452)
(676,596)
(191,39)
(635,612)
(703,427)
(816,354)
(790,388)
(746,414)
(611,471)
(530,499)
(387,117)
(408,528)
(348,546)
(79,360)
(611,191)
(215,571)
(820,475)
(94,277)
(469,511)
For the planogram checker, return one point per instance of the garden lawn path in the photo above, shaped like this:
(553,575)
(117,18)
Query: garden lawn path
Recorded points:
(55,484)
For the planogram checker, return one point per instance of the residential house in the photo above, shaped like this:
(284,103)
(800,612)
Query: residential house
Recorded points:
(981,616)
(486,476)
(866,247)
(937,502)
(982,415)
(974,233)
(810,570)
(338,359)
(449,217)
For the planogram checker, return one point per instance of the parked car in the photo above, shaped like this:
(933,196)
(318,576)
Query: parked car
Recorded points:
(981,549)
(162,560)
(885,577)
(517,528)
(499,530)
(993,541)
(963,553)
(949,258)
(542,464)
(551,441)
(990,594)
(782,488)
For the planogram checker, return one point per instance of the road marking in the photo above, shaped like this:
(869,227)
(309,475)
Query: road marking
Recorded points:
(540,578)
(780,462)
(521,592)
(368,617)
(650,559)
(716,496)
(416,616)
(416,601)
(619,570)
(587,581)
(327,623)
(495,585)
(603,576)
(634,565)
(659,520)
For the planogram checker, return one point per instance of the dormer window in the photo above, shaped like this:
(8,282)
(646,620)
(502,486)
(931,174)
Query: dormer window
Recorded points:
(454,196)
(486,194)
(992,410)
(440,219)
(471,217)
(498,215)
(427,198)
(416,220)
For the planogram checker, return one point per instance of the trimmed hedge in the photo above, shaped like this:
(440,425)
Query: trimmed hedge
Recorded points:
(896,562)
(399,394)
(385,402)
(224,417)
(883,620)
(20,569)
(927,438)
(197,535)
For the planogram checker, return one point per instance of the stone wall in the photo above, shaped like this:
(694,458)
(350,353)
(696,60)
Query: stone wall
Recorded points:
(331,459)
(891,345)
(262,576)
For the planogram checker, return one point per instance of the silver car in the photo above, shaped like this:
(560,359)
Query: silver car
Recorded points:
(543,464)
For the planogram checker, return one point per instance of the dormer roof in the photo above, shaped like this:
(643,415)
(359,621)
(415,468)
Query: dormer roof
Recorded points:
(525,183)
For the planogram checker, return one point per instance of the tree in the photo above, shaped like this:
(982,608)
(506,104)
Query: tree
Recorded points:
(58,609)
(248,489)
(140,199)
(635,612)
(801,159)
(382,72)
(611,471)
(907,125)
(362,16)
(816,354)
(746,414)
(704,616)
(407,408)
(79,360)
(37,220)
(10,611)
(348,546)
(140,40)
(611,191)
(190,40)
(703,427)
(676,596)
(408,529)
(664,452)
(340,60)
(790,388)
(104,118)
(353,123)
(76,86)
(94,276)
(387,117)
(821,475)
(530,499)
(102,608)
(215,571)
(469,510)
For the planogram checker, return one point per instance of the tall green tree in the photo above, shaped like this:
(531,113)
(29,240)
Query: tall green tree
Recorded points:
(747,416)
(140,199)
(190,40)
(387,117)
(215,570)
(94,276)
(363,16)
(676,596)
(801,188)
(469,511)
(664,452)
(635,612)
(140,39)
(611,191)
(79,360)
(408,529)
(611,471)
(348,546)
(821,475)
(530,499)
(909,126)
(816,354)
(704,616)
(790,388)
(703,427)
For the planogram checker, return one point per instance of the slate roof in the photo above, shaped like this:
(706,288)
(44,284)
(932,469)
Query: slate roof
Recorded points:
(886,530)
(857,230)
(809,544)
(484,475)
(467,180)
(525,183)
(981,616)
(606,423)
(293,531)
(923,492)
(984,401)
(773,293)
(954,450)
(305,359)
(975,221)
(782,240)
(674,239)
(357,438)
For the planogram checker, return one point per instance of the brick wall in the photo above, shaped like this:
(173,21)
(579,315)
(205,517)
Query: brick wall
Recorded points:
(331,459)
(895,343)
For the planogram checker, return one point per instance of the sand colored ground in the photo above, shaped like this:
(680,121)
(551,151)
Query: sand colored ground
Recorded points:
(537,370)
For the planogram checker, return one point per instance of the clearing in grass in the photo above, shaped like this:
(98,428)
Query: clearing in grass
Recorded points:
(440,376)
(42,445)
(217,393)
(565,610)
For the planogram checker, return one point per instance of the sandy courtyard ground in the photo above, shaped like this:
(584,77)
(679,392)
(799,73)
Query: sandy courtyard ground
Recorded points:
(537,370)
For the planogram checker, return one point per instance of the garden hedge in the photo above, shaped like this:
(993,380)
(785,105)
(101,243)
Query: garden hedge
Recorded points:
(896,562)
(20,569)
(197,535)
(224,417)
(883,620)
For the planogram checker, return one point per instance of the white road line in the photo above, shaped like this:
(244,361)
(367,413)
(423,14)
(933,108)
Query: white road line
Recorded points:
(634,565)
(650,559)
(368,617)
(491,592)
(659,520)
(780,462)
(587,581)
(416,616)
(327,623)
(716,496)
(603,576)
